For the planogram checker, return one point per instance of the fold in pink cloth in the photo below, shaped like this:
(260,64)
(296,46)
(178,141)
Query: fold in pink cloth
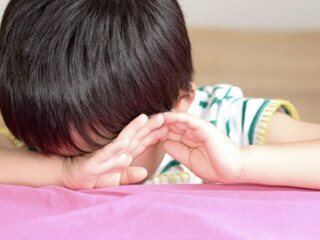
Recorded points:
(159,212)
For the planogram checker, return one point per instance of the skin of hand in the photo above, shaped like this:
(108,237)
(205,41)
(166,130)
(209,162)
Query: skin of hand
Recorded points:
(110,166)
(291,157)
(202,148)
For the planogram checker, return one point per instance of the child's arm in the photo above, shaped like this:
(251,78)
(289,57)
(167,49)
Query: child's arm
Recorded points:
(293,164)
(108,166)
(21,167)
(212,156)
(292,154)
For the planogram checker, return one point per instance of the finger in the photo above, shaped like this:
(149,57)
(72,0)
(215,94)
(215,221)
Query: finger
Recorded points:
(154,123)
(178,128)
(116,163)
(183,118)
(133,175)
(109,180)
(180,133)
(133,127)
(153,138)
(113,149)
(188,126)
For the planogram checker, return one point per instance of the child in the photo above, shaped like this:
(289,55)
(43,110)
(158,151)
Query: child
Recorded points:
(79,78)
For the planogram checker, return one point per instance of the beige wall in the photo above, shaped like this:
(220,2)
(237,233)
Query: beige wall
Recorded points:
(264,64)
(248,14)
(253,14)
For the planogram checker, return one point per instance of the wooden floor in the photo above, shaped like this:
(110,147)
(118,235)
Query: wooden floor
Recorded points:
(263,64)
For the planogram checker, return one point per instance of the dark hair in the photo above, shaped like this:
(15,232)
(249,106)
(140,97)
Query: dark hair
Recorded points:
(89,65)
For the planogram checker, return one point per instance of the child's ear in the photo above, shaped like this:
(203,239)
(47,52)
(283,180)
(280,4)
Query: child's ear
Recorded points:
(185,100)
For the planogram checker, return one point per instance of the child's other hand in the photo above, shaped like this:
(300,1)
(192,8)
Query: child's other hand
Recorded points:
(110,166)
(202,148)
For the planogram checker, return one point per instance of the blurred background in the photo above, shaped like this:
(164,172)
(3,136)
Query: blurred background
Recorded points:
(270,48)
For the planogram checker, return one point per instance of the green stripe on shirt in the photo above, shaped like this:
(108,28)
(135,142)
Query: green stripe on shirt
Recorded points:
(215,101)
(214,122)
(226,96)
(256,120)
(228,128)
(170,165)
(203,104)
(244,109)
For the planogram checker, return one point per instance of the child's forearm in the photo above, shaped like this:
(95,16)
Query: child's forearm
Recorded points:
(294,164)
(29,168)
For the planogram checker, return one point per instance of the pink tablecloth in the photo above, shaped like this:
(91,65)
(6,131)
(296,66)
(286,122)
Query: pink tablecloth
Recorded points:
(159,212)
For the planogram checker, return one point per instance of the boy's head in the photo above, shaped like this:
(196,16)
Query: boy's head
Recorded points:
(89,67)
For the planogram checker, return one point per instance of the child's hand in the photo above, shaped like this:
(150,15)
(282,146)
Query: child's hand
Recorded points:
(202,148)
(110,166)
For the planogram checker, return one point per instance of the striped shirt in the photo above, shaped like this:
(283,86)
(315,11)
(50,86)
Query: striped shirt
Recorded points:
(244,120)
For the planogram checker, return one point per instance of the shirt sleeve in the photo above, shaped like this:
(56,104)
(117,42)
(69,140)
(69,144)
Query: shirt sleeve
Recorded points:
(244,120)
(256,115)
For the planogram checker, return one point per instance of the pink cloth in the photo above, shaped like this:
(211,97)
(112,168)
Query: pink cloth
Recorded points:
(159,212)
